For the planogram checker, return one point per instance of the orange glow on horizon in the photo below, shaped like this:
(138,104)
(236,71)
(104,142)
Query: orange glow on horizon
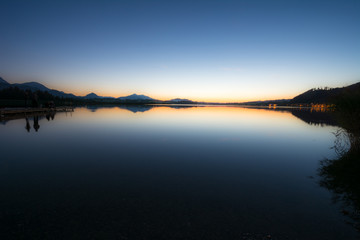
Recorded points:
(211,96)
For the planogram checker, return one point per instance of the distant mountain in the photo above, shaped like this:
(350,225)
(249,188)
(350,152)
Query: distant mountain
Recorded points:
(35,86)
(31,86)
(3,83)
(62,94)
(267,102)
(180,100)
(326,95)
(92,96)
(135,97)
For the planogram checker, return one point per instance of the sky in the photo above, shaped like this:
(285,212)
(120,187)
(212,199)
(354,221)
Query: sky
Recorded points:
(221,51)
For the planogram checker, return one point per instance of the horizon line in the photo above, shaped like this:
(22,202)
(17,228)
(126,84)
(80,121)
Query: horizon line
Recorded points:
(201,100)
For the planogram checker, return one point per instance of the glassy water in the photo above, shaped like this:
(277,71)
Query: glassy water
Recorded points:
(141,172)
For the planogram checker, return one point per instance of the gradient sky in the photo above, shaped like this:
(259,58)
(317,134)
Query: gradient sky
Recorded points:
(202,50)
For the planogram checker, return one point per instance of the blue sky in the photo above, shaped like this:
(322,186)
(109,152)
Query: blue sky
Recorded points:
(202,50)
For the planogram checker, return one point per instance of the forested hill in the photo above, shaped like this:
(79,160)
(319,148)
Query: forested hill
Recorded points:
(328,95)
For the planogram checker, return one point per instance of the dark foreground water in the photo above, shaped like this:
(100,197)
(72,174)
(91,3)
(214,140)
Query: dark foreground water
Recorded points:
(168,173)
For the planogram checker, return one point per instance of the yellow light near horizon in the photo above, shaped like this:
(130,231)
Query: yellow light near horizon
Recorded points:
(190,111)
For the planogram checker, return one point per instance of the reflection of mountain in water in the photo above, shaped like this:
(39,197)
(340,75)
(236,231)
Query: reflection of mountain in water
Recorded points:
(181,106)
(306,115)
(310,116)
(93,108)
(132,108)
(314,117)
(136,108)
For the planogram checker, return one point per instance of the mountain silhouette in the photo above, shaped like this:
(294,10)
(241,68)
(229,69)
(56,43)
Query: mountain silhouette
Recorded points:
(3,83)
(31,86)
(345,97)
(92,96)
(135,97)
(326,95)
(180,100)
(35,86)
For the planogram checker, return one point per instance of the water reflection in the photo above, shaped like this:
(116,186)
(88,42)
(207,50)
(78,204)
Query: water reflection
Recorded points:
(36,123)
(159,172)
(50,115)
(36,118)
(315,118)
(134,108)
(311,116)
(308,115)
(27,126)
(341,175)
(181,106)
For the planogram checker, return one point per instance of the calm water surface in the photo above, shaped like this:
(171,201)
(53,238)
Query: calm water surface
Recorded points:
(167,173)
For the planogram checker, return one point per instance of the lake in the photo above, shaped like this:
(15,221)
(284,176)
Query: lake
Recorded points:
(169,172)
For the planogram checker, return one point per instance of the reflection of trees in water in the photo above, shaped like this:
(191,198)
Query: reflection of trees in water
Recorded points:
(315,118)
(50,115)
(309,115)
(36,123)
(27,126)
(36,118)
(342,175)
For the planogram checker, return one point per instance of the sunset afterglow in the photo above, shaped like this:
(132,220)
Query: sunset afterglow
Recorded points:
(221,51)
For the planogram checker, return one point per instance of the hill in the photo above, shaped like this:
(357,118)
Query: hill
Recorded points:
(267,102)
(3,83)
(35,86)
(326,95)
(17,91)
